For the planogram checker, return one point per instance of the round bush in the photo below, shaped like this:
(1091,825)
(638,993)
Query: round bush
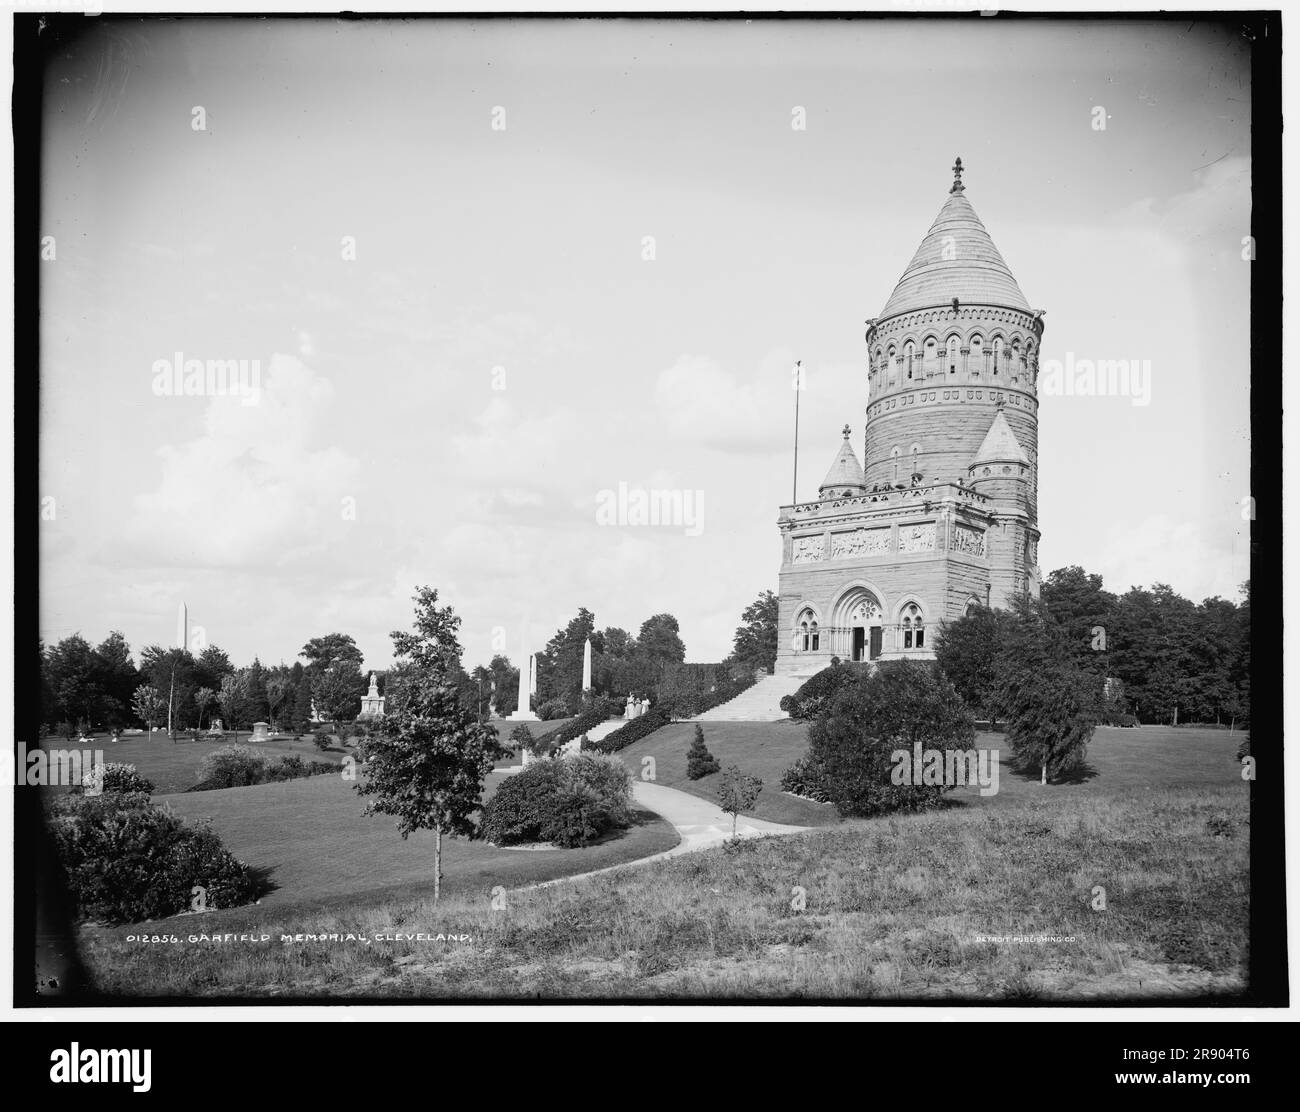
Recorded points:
(569,801)
(127,860)
(116,776)
(232,766)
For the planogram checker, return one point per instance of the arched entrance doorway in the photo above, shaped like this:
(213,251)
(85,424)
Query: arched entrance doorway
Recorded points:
(859,624)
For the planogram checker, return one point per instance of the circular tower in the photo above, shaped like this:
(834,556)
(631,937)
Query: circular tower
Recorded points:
(956,345)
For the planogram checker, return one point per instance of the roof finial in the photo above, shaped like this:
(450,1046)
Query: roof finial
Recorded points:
(847,431)
(957,186)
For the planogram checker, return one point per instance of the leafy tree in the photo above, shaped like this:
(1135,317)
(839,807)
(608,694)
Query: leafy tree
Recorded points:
(75,678)
(278,688)
(755,642)
(116,676)
(338,690)
(737,793)
(968,649)
(234,700)
(699,761)
(334,648)
(212,666)
(302,705)
(902,704)
(1051,704)
(559,673)
(148,704)
(505,684)
(174,673)
(426,766)
(204,697)
(1083,613)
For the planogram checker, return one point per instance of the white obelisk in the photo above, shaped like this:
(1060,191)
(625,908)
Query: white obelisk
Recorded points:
(527,686)
(586,666)
(182,627)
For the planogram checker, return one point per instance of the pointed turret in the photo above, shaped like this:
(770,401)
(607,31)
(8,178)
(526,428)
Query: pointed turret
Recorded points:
(844,479)
(1000,445)
(956,259)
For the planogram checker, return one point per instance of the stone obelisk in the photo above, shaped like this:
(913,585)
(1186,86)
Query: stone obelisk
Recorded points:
(527,684)
(182,627)
(586,666)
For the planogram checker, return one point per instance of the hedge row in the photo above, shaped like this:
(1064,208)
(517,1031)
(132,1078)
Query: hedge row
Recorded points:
(237,766)
(648,723)
(600,711)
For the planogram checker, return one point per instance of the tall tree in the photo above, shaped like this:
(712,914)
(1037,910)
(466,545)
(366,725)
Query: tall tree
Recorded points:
(755,643)
(117,677)
(338,690)
(427,765)
(559,673)
(74,675)
(324,652)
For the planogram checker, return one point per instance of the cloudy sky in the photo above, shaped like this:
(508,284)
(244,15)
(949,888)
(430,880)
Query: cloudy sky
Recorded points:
(462,340)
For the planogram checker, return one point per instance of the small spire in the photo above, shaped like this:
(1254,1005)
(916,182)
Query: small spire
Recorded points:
(957,186)
(847,431)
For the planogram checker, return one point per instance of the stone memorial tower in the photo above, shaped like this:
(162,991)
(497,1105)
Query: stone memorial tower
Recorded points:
(942,513)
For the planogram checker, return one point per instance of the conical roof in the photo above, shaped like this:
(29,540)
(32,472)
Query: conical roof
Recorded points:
(956,259)
(1000,444)
(846,472)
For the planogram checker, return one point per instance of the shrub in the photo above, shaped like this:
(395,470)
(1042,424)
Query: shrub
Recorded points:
(699,761)
(656,718)
(568,802)
(904,703)
(127,860)
(818,691)
(116,776)
(553,709)
(521,737)
(232,766)
(804,778)
(322,739)
(1243,750)
(288,767)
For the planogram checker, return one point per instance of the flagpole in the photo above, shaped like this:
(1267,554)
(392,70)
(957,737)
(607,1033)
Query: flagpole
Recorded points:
(798,389)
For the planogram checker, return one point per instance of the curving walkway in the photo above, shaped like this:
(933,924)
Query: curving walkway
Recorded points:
(700,823)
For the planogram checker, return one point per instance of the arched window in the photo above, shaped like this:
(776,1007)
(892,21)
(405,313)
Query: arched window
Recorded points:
(1016,368)
(909,350)
(894,364)
(976,354)
(803,636)
(953,351)
(913,627)
(997,353)
(896,453)
(931,355)
(816,638)
(916,462)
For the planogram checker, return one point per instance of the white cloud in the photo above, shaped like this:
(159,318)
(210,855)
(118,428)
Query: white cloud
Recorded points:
(256,487)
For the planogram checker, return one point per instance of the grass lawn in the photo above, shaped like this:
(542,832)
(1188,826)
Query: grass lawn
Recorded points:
(921,907)
(175,767)
(1141,758)
(319,849)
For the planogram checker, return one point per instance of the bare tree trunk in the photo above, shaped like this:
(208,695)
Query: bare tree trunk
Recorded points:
(1044,779)
(437,862)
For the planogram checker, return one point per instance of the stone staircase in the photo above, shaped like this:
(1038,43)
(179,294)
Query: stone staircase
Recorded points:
(760,703)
